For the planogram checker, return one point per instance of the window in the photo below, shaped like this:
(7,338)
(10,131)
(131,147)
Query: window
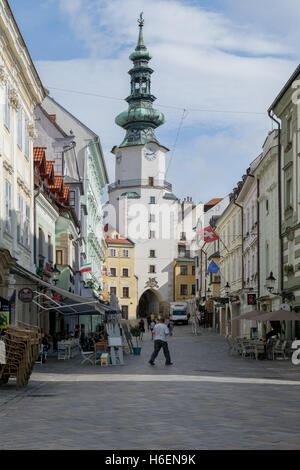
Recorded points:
(50,250)
(7,206)
(59,257)
(113,252)
(152,234)
(125,272)
(152,218)
(41,241)
(20,220)
(152,199)
(26,143)
(126,292)
(152,254)
(289,198)
(193,291)
(7,108)
(72,198)
(152,269)
(20,128)
(193,270)
(267,205)
(113,290)
(289,131)
(151,181)
(197,284)
(183,236)
(27,227)
(125,253)
(197,261)
(183,289)
(183,270)
(124,310)
(113,272)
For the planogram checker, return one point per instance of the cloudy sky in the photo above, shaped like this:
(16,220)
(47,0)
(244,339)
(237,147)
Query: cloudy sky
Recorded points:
(224,61)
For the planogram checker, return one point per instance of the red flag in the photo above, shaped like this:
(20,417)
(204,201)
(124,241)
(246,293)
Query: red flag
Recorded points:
(208,235)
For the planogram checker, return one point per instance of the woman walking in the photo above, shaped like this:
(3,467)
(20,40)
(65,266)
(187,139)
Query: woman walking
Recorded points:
(142,328)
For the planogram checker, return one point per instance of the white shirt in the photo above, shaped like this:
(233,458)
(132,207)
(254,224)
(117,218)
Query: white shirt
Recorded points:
(160,331)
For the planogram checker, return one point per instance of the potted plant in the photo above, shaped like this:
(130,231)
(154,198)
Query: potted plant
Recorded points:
(289,269)
(136,332)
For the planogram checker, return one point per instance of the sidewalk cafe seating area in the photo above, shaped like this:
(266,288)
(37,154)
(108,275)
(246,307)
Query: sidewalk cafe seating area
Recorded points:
(260,349)
(22,349)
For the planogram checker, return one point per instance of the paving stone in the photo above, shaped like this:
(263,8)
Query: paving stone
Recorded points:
(155,414)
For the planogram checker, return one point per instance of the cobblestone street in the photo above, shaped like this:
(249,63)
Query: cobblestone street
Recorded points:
(206,400)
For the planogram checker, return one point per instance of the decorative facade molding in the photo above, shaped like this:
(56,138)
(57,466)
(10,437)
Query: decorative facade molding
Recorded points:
(3,75)
(14,99)
(32,132)
(23,186)
(8,167)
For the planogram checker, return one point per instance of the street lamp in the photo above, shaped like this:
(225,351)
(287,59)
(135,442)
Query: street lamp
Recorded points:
(270,282)
(55,274)
(227,289)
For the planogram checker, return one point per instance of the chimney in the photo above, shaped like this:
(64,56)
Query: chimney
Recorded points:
(53,117)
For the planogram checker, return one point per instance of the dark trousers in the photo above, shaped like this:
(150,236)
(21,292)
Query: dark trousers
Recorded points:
(158,344)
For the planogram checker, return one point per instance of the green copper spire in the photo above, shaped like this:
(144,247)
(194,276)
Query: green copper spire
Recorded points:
(140,120)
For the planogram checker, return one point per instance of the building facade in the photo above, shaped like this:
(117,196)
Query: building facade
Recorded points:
(85,172)
(20,92)
(119,274)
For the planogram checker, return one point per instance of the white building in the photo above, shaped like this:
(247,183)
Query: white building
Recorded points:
(91,169)
(142,206)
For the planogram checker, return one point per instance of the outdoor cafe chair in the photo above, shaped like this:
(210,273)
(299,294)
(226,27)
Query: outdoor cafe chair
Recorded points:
(279,350)
(87,356)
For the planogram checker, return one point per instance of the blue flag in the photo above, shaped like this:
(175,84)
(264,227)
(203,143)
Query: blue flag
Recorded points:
(213,268)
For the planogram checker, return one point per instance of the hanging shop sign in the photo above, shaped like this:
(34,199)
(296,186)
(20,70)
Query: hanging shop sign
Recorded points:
(251,299)
(26,295)
(4,313)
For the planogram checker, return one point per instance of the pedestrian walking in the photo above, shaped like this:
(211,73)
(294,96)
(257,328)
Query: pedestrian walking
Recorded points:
(160,333)
(149,322)
(152,325)
(142,328)
(171,326)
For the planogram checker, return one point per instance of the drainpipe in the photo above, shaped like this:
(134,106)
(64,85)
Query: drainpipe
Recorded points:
(279,202)
(34,223)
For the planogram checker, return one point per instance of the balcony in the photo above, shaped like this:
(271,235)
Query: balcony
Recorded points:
(140,183)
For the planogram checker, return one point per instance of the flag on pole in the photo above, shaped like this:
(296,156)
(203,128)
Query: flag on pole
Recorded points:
(208,234)
(213,268)
(86,268)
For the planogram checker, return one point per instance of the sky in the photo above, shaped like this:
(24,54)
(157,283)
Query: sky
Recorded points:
(222,61)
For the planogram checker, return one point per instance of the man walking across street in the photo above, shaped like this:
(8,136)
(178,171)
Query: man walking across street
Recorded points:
(160,333)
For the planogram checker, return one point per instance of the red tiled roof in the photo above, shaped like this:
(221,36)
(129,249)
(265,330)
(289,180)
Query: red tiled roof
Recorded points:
(119,241)
(38,153)
(214,201)
(58,181)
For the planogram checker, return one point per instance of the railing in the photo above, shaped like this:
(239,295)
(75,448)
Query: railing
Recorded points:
(139,182)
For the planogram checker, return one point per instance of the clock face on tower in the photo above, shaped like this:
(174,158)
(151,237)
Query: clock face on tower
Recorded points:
(150,153)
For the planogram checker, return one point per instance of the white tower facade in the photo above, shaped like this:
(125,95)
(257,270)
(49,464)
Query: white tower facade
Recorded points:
(142,205)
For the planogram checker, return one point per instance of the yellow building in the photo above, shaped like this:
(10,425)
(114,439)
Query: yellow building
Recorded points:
(184,279)
(119,277)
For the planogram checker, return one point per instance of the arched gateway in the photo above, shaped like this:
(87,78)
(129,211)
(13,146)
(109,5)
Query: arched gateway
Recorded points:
(150,302)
